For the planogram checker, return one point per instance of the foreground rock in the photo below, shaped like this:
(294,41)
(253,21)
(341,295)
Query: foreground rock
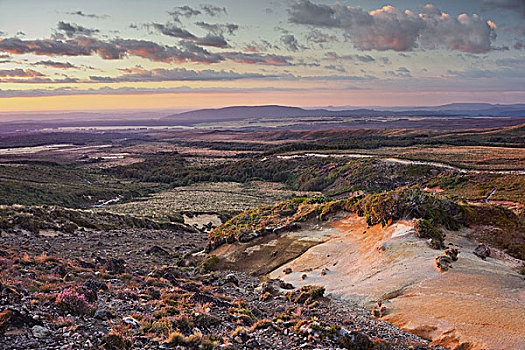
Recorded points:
(482,251)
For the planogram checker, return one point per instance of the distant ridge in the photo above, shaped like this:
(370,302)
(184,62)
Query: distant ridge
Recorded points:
(275,111)
(267,111)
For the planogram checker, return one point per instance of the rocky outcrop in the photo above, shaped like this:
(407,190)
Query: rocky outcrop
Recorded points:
(381,209)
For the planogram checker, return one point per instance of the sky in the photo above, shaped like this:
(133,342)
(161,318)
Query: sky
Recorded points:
(158,54)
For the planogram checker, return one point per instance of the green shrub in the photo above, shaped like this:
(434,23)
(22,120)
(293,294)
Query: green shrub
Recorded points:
(208,265)
(424,229)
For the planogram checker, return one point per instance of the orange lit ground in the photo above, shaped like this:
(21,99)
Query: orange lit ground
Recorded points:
(480,304)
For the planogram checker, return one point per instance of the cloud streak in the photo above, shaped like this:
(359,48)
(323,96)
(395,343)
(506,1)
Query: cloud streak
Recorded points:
(21,73)
(360,58)
(179,74)
(87,15)
(213,11)
(108,50)
(256,58)
(130,91)
(318,37)
(39,80)
(190,50)
(218,29)
(517,6)
(53,64)
(71,29)
(177,32)
(183,11)
(187,11)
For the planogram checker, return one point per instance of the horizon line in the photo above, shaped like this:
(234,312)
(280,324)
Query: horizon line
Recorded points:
(187,109)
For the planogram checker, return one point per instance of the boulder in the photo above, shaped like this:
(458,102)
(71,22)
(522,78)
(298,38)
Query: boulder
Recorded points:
(248,236)
(59,270)
(443,262)
(271,286)
(102,315)
(131,321)
(157,251)
(230,278)
(40,331)
(453,253)
(88,293)
(14,318)
(285,285)
(379,310)
(482,251)
(115,266)
(354,340)
(171,273)
(86,265)
(96,285)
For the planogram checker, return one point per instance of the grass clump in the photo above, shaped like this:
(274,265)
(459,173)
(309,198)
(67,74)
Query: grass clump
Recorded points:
(35,219)
(208,265)
(410,203)
(194,341)
(305,295)
(256,222)
(115,341)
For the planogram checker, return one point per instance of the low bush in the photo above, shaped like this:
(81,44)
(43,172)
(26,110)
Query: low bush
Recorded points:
(424,229)
(72,300)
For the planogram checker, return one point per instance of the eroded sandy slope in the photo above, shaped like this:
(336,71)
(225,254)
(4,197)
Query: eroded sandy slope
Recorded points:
(480,304)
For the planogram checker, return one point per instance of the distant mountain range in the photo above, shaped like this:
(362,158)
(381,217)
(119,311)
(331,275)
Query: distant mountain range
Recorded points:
(275,111)
(472,109)
(459,115)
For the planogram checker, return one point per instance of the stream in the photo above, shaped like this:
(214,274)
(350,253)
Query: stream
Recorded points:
(113,200)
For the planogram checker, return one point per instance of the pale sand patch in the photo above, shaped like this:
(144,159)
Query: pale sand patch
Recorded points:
(48,233)
(202,219)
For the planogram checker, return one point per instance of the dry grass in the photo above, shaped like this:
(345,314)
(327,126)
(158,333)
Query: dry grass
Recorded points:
(231,197)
